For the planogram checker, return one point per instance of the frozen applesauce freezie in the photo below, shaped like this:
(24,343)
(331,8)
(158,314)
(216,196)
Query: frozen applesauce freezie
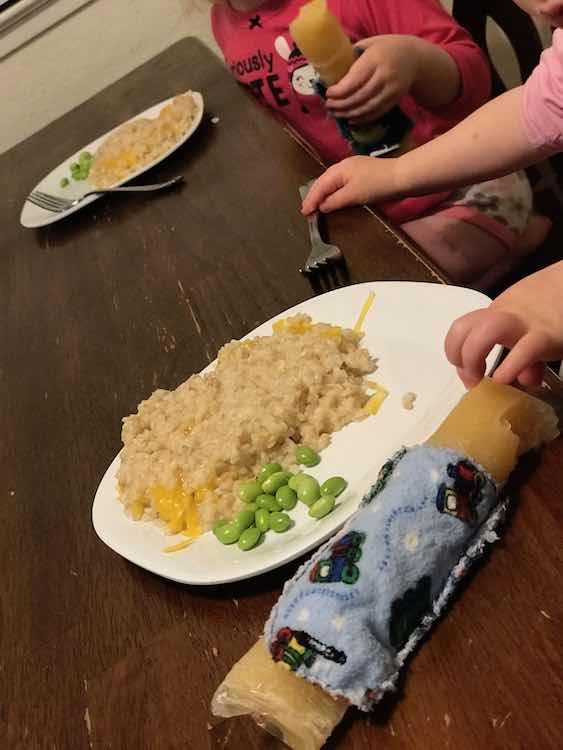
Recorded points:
(492,425)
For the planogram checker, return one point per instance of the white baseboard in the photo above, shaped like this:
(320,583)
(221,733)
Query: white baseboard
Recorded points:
(25,20)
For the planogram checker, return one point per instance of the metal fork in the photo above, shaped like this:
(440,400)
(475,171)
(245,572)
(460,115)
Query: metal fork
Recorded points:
(57,204)
(321,253)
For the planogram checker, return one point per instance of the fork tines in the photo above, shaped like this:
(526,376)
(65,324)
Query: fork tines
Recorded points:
(321,256)
(48,202)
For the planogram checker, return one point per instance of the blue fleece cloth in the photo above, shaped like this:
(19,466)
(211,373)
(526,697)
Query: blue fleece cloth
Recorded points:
(352,614)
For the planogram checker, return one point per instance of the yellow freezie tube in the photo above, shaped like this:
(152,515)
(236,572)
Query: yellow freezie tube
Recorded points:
(492,425)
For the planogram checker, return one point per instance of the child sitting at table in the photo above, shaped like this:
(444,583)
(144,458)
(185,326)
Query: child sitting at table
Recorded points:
(414,55)
(517,129)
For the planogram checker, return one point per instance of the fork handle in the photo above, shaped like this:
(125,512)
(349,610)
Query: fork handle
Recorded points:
(137,188)
(312,219)
(313,224)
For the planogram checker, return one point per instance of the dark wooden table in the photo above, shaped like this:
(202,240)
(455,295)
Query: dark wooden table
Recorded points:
(132,294)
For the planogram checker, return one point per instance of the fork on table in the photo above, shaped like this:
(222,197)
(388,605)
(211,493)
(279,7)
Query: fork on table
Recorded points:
(58,204)
(321,252)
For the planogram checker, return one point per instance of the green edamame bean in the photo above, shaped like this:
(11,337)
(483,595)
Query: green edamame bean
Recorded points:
(334,486)
(322,507)
(219,523)
(262,520)
(275,481)
(249,538)
(286,497)
(244,519)
(249,491)
(228,533)
(262,501)
(295,481)
(251,506)
(279,522)
(307,456)
(268,502)
(266,471)
(308,490)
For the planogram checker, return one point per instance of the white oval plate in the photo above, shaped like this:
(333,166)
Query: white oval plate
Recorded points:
(405,330)
(33,217)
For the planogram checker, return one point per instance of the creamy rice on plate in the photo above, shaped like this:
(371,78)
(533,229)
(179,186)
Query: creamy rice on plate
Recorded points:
(186,451)
(138,143)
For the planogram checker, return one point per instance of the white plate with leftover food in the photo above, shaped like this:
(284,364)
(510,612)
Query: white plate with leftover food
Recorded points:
(118,156)
(285,384)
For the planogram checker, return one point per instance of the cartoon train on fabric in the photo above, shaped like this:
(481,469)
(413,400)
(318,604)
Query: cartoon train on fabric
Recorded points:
(341,565)
(295,648)
(462,499)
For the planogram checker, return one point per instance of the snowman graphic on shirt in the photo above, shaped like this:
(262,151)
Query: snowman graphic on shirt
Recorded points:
(302,75)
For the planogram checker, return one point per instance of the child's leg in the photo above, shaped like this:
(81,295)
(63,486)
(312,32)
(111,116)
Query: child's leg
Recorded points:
(483,232)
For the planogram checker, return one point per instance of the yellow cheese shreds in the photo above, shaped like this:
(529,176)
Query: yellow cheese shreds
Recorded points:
(137,510)
(178,547)
(374,403)
(372,384)
(365,309)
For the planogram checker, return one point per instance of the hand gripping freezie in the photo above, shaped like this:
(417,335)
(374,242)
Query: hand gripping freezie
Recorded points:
(346,623)
(320,37)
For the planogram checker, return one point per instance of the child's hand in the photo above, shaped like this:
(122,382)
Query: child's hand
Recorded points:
(358,179)
(381,76)
(527,318)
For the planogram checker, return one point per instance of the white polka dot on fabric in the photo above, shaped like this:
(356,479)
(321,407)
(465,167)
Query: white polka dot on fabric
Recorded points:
(338,623)
(411,542)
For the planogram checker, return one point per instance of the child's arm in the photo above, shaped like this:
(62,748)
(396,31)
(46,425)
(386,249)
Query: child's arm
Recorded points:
(517,129)
(527,318)
(391,66)
(411,47)
(489,143)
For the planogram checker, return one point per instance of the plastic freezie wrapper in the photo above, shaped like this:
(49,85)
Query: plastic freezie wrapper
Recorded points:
(300,714)
(346,623)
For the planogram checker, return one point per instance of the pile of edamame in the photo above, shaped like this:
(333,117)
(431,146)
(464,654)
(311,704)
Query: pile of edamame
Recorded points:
(273,493)
(79,170)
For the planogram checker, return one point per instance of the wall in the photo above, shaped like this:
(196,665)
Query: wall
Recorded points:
(86,52)
(102,42)
(503,56)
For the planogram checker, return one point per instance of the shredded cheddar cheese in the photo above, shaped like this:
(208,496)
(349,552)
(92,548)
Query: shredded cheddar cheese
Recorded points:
(374,403)
(299,326)
(177,507)
(178,547)
(372,384)
(365,309)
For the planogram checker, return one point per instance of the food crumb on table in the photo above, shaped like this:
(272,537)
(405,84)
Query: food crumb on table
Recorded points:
(215,120)
(215,651)
(408,400)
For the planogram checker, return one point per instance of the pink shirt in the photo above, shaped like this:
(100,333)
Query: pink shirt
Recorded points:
(542,103)
(261,54)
